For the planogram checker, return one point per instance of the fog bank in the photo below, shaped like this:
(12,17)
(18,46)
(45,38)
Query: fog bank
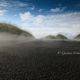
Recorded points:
(7,39)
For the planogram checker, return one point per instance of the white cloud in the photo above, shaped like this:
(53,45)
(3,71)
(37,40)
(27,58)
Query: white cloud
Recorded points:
(26,16)
(41,25)
(2,12)
(39,19)
(40,10)
(57,9)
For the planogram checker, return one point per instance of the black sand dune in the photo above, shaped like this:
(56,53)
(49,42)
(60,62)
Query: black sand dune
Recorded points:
(40,60)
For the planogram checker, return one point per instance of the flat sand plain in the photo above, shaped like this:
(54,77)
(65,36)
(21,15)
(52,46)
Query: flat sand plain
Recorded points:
(30,59)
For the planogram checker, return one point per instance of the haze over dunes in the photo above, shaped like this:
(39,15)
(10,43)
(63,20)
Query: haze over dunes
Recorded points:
(61,37)
(8,30)
(11,35)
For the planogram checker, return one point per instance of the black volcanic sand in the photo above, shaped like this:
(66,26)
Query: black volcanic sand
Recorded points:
(40,60)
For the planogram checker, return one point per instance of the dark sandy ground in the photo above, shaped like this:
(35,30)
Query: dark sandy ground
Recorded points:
(40,60)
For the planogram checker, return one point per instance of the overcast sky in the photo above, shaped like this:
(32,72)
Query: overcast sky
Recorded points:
(43,17)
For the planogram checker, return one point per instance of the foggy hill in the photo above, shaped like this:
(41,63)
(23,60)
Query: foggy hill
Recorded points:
(58,37)
(12,29)
(11,35)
